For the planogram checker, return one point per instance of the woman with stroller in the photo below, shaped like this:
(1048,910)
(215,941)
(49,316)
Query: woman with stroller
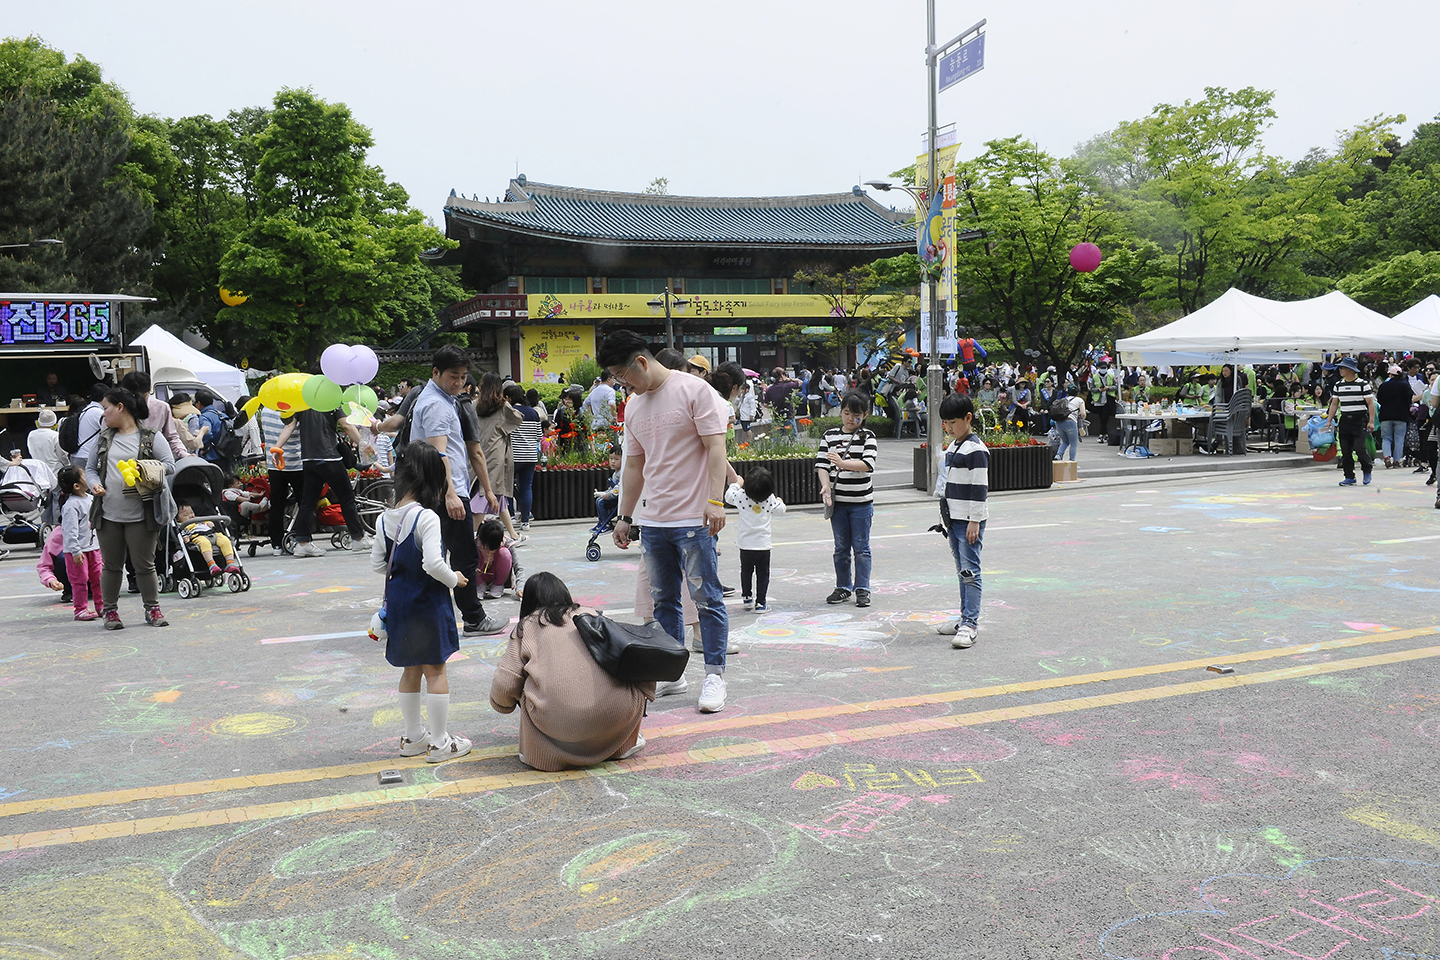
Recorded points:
(125,521)
(572,713)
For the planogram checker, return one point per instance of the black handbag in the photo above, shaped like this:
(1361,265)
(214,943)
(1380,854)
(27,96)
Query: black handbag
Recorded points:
(632,654)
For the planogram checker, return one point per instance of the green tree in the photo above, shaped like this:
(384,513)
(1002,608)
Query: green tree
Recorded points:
(1018,286)
(59,178)
(332,248)
(1397,282)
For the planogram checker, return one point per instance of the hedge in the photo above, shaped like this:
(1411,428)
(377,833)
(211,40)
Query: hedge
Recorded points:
(880,426)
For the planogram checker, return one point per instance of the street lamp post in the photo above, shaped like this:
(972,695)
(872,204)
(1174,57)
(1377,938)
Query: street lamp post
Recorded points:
(667,300)
(46,242)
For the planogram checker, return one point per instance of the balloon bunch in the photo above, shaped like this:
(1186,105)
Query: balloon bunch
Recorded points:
(129,471)
(346,370)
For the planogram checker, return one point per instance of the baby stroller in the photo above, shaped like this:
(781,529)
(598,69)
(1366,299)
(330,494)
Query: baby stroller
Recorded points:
(197,484)
(329,521)
(25,490)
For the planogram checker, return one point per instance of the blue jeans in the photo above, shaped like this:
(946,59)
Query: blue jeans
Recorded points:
(1069,432)
(525,489)
(967,566)
(605,511)
(670,550)
(1392,438)
(850,523)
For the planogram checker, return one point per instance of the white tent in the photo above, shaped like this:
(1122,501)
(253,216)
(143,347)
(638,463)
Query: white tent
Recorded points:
(1238,327)
(1425,315)
(167,350)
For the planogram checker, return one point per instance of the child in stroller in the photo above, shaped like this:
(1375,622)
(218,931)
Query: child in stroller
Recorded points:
(187,567)
(26,487)
(607,501)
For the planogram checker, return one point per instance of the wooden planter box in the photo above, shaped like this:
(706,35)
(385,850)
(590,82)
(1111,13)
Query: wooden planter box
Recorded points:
(1011,468)
(568,494)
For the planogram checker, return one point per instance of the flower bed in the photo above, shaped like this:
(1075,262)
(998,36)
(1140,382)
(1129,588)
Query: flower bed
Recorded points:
(1017,462)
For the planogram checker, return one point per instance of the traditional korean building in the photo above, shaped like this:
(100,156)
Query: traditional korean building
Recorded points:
(557,264)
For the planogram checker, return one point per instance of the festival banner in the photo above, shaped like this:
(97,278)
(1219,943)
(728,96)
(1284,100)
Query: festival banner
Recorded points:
(548,351)
(583,308)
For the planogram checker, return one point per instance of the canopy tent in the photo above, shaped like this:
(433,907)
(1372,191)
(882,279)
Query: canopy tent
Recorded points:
(1425,315)
(1240,328)
(167,350)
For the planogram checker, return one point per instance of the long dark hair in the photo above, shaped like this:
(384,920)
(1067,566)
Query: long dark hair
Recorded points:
(420,475)
(548,594)
(490,398)
(120,397)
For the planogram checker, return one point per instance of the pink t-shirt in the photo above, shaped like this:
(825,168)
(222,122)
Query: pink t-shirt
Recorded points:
(665,426)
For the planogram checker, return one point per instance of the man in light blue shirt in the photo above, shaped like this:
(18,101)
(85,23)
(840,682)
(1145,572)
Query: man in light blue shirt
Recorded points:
(601,402)
(436,421)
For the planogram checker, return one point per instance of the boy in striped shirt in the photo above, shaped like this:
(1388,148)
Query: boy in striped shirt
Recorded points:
(964,511)
(1355,400)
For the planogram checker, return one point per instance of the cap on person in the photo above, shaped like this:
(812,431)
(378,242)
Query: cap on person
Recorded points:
(47,418)
(1395,370)
(699,361)
(1349,363)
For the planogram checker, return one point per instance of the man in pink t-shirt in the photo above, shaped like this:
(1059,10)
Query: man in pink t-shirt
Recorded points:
(675,459)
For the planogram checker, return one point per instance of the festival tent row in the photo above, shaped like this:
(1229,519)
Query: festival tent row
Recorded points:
(1240,328)
(1425,314)
(171,359)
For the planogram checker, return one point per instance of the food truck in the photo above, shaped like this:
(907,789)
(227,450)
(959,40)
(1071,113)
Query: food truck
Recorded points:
(79,337)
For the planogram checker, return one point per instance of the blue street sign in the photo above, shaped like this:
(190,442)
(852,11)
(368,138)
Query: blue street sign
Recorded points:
(967,59)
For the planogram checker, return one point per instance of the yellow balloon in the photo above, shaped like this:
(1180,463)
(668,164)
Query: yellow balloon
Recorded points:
(251,406)
(282,393)
(232,299)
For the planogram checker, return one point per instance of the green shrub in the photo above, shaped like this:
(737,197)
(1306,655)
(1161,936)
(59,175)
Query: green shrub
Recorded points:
(392,373)
(549,393)
(584,372)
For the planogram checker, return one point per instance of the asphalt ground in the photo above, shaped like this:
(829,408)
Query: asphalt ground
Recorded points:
(1078,784)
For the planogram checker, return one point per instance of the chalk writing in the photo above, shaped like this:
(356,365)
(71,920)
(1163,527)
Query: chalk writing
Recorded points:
(854,819)
(874,779)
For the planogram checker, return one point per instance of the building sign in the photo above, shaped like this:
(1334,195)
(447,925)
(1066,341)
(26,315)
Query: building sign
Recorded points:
(561,307)
(731,331)
(56,323)
(486,309)
(547,351)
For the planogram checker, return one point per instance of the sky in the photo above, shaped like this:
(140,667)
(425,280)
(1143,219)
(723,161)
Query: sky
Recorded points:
(744,97)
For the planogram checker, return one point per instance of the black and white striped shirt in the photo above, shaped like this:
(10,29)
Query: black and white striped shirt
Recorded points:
(967,480)
(1352,395)
(849,486)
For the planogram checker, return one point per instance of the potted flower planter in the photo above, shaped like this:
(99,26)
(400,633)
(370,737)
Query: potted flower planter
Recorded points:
(795,477)
(1011,468)
(565,493)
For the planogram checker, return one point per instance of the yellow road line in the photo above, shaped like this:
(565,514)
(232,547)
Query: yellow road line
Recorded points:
(711,726)
(739,751)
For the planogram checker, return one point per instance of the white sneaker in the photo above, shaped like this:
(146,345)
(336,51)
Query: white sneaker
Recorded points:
(453,748)
(948,629)
(639,745)
(308,550)
(521,540)
(712,694)
(276,552)
(413,748)
(362,545)
(668,688)
(964,637)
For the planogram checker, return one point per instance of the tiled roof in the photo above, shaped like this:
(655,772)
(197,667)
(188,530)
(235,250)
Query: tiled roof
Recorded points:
(827,220)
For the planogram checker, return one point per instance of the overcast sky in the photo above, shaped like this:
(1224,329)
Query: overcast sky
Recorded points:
(742,97)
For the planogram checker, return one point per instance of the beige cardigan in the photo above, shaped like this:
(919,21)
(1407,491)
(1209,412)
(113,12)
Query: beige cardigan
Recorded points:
(495,433)
(573,714)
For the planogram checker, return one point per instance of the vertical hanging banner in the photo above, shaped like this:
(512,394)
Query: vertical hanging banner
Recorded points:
(548,351)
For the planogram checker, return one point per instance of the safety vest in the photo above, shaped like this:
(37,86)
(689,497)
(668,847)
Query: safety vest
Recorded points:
(1101,384)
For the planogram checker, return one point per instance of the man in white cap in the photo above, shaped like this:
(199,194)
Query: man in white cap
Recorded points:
(44,445)
(1355,400)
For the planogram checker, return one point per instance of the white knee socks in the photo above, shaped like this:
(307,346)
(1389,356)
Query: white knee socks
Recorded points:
(437,708)
(410,711)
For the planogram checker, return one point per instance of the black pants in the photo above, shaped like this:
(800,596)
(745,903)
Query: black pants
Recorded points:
(1352,442)
(458,536)
(758,563)
(284,486)
(317,474)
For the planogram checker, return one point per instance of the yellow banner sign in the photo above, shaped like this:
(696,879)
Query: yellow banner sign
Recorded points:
(581,308)
(548,351)
(944,166)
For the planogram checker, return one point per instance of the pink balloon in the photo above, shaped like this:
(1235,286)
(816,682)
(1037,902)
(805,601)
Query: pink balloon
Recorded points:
(335,363)
(365,365)
(1085,257)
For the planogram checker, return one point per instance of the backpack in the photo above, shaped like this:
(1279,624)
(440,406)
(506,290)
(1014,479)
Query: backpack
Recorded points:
(229,444)
(70,440)
(1060,407)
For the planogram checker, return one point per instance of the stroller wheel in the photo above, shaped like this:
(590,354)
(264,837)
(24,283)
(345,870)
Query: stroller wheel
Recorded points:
(167,585)
(244,580)
(252,549)
(187,589)
(592,551)
(234,582)
(288,544)
(341,540)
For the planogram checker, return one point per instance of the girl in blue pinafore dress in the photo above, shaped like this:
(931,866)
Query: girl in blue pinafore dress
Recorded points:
(418,623)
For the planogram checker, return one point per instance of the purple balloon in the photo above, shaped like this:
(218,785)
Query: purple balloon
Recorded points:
(1085,257)
(335,363)
(365,365)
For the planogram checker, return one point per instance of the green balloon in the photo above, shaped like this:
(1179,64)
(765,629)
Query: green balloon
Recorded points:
(321,393)
(363,395)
